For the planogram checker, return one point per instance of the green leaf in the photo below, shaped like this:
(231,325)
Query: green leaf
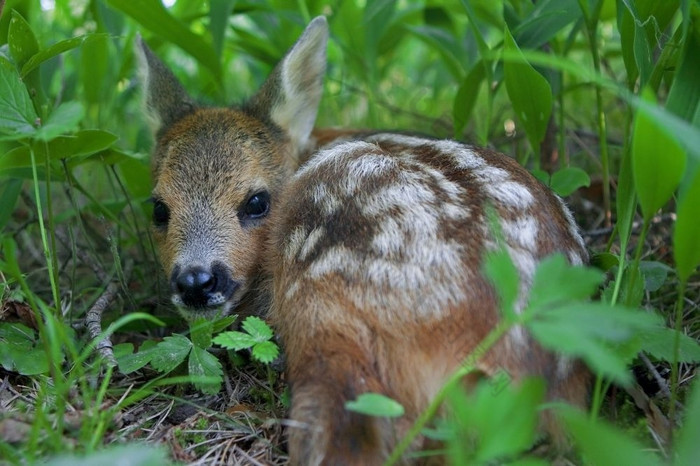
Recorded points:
(493,424)
(684,95)
(626,201)
(654,273)
(529,93)
(593,331)
(169,353)
(556,282)
(466,97)
(544,21)
(219,11)
(21,39)
(205,370)
(223,323)
(688,448)
(201,331)
(257,328)
(658,161)
(96,58)
(265,352)
(9,195)
(152,15)
(63,119)
(82,143)
(501,272)
(17,115)
(567,180)
(686,233)
(660,341)
(375,404)
(54,50)
(601,444)
(234,340)
(130,361)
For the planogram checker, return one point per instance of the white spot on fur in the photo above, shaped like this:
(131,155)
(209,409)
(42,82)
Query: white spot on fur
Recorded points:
(325,200)
(511,194)
(295,241)
(522,231)
(573,228)
(311,242)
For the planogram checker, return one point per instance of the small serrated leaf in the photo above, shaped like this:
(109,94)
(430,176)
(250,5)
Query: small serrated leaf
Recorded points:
(206,371)
(265,352)
(257,328)
(201,331)
(130,361)
(234,340)
(170,352)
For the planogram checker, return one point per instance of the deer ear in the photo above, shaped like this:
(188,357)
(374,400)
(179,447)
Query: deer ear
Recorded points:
(165,99)
(291,95)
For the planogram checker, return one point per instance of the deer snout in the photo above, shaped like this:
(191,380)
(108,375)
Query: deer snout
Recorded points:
(199,287)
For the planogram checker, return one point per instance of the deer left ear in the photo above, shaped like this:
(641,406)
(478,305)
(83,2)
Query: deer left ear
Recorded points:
(291,95)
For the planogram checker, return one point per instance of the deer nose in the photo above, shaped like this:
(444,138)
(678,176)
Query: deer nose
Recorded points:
(197,287)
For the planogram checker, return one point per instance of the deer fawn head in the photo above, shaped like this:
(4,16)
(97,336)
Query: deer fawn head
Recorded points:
(218,172)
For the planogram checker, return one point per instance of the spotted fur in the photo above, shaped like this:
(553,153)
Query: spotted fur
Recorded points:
(367,259)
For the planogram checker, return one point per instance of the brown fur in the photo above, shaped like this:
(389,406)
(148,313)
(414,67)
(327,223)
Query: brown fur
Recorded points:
(369,260)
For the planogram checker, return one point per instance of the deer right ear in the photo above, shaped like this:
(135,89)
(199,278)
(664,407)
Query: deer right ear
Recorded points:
(165,99)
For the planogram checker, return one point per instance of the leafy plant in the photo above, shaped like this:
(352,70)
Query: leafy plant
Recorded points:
(257,336)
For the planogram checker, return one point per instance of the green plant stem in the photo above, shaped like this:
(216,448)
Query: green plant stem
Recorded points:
(592,29)
(467,366)
(637,260)
(674,363)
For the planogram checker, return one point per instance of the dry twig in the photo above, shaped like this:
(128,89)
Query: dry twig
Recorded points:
(93,318)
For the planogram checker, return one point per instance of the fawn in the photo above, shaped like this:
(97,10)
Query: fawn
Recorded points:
(363,249)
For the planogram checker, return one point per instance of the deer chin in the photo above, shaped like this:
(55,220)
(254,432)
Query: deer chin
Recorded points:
(217,308)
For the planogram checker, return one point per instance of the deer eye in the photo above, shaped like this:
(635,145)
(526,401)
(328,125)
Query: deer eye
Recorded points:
(161,213)
(257,206)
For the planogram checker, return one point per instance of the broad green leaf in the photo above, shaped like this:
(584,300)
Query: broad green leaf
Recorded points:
(205,370)
(8,196)
(602,444)
(152,15)
(130,361)
(604,261)
(686,233)
(501,272)
(377,16)
(684,95)
(63,119)
(95,59)
(654,273)
(556,282)
(626,199)
(234,340)
(17,115)
(567,180)
(529,93)
(54,50)
(660,341)
(593,332)
(265,352)
(490,425)
(21,40)
(375,404)
(257,328)
(82,143)
(200,332)
(658,162)
(169,353)
(687,448)
(219,12)
(544,21)
(466,97)
(641,17)
(443,44)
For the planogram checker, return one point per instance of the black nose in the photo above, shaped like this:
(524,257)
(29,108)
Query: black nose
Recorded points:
(198,287)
